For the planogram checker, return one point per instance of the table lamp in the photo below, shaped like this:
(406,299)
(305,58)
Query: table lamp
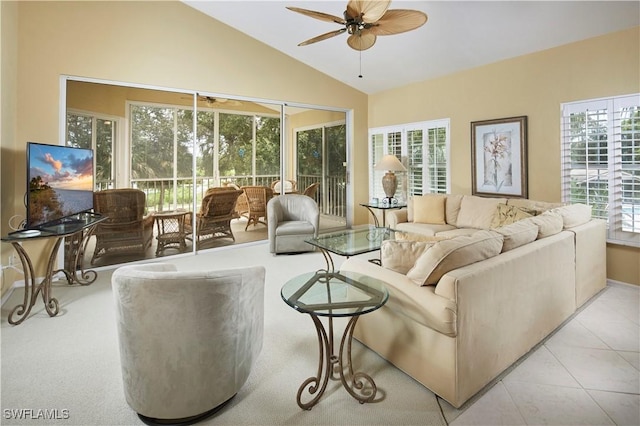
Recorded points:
(390,164)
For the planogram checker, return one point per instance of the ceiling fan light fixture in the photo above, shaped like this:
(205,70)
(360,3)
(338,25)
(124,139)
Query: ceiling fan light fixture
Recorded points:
(364,20)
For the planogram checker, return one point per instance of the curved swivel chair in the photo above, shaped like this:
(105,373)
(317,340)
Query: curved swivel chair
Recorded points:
(188,340)
(291,219)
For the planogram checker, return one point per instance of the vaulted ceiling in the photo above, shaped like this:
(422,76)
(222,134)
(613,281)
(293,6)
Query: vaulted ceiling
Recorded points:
(458,34)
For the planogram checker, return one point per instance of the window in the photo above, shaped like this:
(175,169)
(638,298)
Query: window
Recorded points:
(601,162)
(422,147)
(97,132)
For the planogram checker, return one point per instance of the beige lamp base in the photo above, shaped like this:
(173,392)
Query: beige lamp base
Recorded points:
(389,184)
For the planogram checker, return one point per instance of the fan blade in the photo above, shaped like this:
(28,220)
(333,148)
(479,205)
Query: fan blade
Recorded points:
(398,21)
(318,15)
(361,41)
(323,37)
(371,10)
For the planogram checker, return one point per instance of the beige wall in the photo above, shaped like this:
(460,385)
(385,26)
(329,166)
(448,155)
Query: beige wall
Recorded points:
(533,85)
(164,44)
(8,124)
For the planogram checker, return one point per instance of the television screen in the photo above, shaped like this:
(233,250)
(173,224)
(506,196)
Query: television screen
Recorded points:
(59,182)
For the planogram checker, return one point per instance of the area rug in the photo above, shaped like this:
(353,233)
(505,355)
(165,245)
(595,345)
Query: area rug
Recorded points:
(67,367)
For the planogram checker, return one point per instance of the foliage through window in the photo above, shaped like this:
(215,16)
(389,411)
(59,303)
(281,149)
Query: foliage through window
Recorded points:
(601,162)
(97,132)
(422,147)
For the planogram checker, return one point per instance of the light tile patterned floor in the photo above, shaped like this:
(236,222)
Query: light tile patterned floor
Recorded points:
(587,373)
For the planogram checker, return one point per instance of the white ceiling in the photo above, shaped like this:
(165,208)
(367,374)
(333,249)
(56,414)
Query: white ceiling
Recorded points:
(458,34)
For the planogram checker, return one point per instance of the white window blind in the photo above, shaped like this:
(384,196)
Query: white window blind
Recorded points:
(601,162)
(422,147)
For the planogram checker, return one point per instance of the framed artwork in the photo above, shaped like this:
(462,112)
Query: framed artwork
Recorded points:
(499,157)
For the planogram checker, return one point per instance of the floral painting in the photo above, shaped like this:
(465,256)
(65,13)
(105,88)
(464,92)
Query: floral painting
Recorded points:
(499,157)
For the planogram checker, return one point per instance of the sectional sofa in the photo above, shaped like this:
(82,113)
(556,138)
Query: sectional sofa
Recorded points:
(475,283)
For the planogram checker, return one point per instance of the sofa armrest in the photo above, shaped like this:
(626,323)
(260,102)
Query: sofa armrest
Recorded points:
(591,259)
(394,217)
(417,303)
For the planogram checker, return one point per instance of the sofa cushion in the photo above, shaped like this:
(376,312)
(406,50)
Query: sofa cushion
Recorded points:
(548,223)
(429,209)
(477,212)
(452,208)
(422,228)
(414,236)
(506,215)
(517,234)
(456,232)
(400,256)
(574,214)
(447,255)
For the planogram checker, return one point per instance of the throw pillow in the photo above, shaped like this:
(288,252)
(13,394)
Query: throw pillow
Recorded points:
(532,206)
(517,234)
(549,223)
(447,255)
(400,256)
(477,212)
(574,214)
(506,215)
(429,209)
(452,208)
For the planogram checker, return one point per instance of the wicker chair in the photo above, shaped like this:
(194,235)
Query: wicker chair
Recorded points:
(127,229)
(257,198)
(242,206)
(214,219)
(289,186)
(310,191)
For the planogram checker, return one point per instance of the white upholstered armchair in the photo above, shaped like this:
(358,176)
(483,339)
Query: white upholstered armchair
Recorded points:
(291,219)
(188,340)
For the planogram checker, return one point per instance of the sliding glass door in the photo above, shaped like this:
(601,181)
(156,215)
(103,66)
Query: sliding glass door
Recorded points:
(174,146)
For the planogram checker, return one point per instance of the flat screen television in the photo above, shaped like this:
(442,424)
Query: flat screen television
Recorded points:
(59,183)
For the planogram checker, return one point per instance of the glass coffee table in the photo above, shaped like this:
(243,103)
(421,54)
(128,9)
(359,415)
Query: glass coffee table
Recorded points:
(333,295)
(351,242)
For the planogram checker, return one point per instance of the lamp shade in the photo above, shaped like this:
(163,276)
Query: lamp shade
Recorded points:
(390,162)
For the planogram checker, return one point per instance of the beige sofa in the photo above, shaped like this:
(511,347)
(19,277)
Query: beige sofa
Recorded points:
(467,299)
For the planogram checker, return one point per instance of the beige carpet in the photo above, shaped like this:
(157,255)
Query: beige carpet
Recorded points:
(69,364)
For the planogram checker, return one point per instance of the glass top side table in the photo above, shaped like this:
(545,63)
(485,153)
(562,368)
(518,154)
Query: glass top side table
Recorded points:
(332,295)
(384,208)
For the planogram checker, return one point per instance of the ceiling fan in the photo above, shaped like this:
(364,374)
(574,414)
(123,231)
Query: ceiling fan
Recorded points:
(364,20)
(211,101)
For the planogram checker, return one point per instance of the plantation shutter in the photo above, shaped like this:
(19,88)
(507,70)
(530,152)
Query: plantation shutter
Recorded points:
(375,154)
(424,146)
(626,169)
(437,148)
(601,162)
(415,160)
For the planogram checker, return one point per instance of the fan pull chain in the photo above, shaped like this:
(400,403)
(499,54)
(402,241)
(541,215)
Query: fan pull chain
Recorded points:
(360,75)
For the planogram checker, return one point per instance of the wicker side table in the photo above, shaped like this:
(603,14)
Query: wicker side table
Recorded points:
(170,227)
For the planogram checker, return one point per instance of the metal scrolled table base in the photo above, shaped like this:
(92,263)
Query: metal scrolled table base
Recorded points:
(31,289)
(74,270)
(354,383)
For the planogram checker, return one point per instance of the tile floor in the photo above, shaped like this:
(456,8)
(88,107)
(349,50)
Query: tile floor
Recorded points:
(586,373)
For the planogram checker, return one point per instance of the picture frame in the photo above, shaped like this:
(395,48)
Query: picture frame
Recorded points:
(499,157)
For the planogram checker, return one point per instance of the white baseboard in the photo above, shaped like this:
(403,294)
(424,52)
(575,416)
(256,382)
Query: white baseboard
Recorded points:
(614,282)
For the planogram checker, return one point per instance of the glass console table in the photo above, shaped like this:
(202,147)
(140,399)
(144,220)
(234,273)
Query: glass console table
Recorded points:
(350,242)
(76,230)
